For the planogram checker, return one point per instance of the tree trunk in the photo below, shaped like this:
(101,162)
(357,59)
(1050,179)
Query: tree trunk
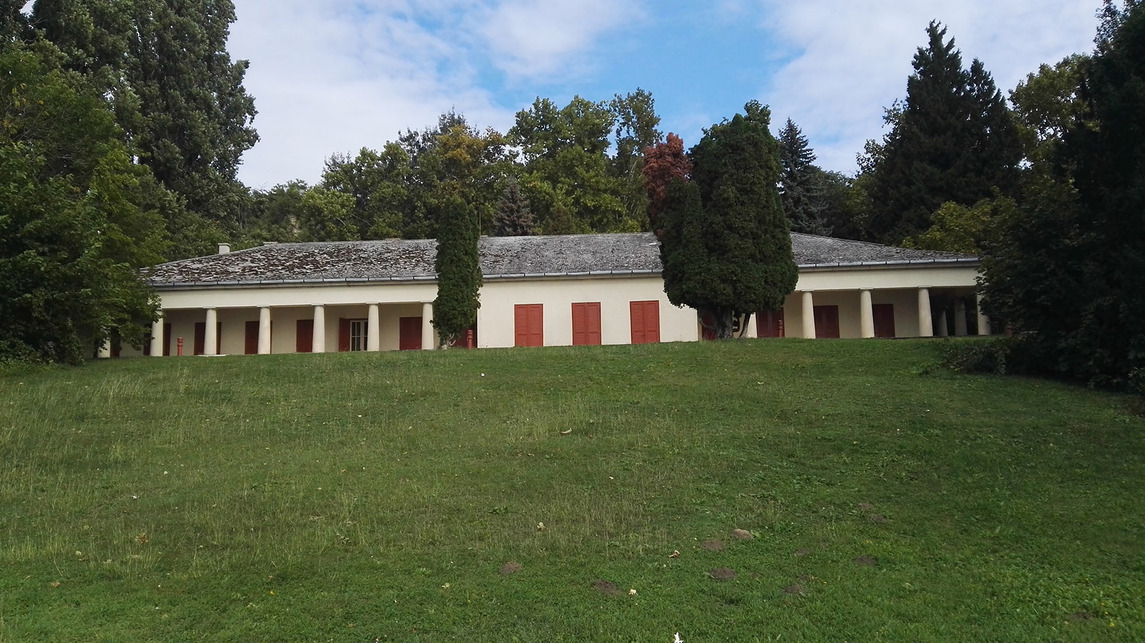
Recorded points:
(725,325)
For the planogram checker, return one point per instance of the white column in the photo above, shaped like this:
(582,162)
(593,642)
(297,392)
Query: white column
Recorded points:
(808,315)
(942,328)
(960,317)
(104,351)
(427,327)
(373,332)
(210,336)
(866,314)
(319,343)
(158,341)
(925,324)
(983,320)
(264,331)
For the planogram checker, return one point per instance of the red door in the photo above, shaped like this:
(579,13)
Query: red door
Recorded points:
(769,323)
(884,318)
(167,340)
(343,334)
(827,322)
(645,322)
(409,333)
(250,343)
(201,337)
(528,325)
(304,336)
(586,324)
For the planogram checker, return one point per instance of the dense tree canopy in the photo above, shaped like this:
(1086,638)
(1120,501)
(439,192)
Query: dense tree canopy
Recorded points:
(802,184)
(726,246)
(458,268)
(1066,269)
(72,232)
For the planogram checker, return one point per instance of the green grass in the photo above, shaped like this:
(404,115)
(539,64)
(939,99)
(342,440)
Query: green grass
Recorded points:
(377,496)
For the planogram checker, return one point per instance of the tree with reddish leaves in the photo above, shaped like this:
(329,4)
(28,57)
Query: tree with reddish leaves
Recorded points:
(663,163)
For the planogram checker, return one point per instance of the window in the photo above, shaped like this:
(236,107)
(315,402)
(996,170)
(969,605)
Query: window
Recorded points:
(352,334)
(645,322)
(359,334)
(528,325)
(586,324)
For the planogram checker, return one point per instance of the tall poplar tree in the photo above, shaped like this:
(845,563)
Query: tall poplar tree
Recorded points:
(726,247)
(953,140)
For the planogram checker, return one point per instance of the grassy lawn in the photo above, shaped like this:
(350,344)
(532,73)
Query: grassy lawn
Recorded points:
(521,494)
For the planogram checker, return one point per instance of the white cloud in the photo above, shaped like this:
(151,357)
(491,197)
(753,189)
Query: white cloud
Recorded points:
(530,38)
(852,58)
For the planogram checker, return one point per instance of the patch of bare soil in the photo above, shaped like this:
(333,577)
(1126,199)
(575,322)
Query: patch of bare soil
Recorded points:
(713,545)
(742,534)
(1082,616)
(794,590)
(865,507)
(866,561)
(722,573)
(606,588)
(877,519)
(511,567)
(803,551)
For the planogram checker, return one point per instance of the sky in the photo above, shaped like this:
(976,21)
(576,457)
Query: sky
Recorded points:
(334,76)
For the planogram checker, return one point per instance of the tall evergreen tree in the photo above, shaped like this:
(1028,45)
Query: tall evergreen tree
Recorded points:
(801,183)
(513,218)
(726,247)
(458,269)
(954,140)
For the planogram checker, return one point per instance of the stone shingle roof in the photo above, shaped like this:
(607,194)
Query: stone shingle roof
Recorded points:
(501,258)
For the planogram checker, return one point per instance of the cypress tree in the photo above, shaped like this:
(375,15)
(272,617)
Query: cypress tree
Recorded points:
(458,270)
(726,247)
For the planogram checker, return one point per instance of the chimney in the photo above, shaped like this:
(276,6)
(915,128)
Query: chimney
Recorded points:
(224,248)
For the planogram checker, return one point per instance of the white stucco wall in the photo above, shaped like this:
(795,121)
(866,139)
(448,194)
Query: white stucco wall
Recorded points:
(495,319)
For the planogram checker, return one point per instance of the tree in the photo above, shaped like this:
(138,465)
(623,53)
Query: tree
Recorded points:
(567,171)
(458,269)
(1066,270)
(513,218)
(801,183)
(72,233)
(663,163)
(953,140)
(177,95)
(636,129)
(726,247)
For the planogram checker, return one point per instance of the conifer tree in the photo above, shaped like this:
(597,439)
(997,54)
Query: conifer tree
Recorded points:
(954,140)
(802,185)
(513,217)
(726,247)
(458,269)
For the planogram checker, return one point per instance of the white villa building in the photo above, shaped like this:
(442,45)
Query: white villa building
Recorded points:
(538,291)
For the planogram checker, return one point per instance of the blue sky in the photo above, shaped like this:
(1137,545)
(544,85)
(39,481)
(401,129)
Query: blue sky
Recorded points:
(338,75)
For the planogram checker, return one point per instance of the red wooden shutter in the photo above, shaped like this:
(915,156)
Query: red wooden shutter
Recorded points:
(827,322)
(343,334)
(645,321)
(200,338)
(409,333)
(218,338)
(304,336)
(528,325)
(167,340)
(769,323)
(250,345)
(586,323)
(884,318)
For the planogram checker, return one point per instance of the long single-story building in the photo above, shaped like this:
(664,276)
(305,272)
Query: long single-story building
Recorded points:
(538,291)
